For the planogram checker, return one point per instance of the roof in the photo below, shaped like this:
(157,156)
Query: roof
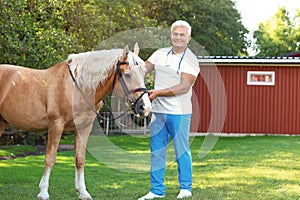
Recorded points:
(293,54)
(248,60)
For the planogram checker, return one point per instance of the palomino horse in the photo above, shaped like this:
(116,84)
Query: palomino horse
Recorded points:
(66,96)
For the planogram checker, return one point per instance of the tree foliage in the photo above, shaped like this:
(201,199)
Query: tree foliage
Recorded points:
(278,35)
(216,24)
(32,33)
(40,33)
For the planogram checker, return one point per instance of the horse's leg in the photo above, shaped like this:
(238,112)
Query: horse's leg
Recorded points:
(54,135)
(81,138)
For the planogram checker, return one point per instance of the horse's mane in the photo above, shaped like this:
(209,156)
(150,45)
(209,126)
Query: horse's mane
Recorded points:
(92,68)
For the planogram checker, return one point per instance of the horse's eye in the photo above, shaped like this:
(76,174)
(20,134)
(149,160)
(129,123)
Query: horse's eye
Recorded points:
(127,76)
(136,63)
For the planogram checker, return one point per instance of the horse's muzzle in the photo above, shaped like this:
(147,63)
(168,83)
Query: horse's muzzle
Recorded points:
(142,107)
(139,109)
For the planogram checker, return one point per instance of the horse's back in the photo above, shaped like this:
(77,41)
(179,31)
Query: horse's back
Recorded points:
(9,73)
(17,79)
(8,76)
(24,95)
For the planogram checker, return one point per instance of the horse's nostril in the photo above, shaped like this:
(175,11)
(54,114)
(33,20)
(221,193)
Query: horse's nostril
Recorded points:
(139,109)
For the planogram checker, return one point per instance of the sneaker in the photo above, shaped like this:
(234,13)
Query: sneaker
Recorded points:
(184,194)
(150,196)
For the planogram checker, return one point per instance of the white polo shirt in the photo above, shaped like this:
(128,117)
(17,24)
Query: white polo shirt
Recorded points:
(168,68)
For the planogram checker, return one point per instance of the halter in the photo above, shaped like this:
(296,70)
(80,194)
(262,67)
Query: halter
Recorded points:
(127,92)
(131,102)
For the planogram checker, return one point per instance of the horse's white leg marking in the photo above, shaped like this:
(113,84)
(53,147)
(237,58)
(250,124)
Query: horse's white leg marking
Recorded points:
(80,151)
(44,185)
(54,134)
(80,186)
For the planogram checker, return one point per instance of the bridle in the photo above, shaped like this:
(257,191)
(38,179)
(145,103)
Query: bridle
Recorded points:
(131,102)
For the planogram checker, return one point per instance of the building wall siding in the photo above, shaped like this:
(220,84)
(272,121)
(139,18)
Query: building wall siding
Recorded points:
(248,108)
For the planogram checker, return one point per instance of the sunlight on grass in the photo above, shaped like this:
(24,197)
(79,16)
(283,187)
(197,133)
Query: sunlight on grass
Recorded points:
(250,168)
(129,156)
(288,188)
(93,164)
(260,168)
(139,151)
(5,153)
(114,186)
(13,165)
(64,159)
(15,150)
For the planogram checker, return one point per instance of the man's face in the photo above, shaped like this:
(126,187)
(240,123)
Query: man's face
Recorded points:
(180,37)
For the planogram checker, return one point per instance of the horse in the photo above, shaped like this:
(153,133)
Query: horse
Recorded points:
(66,97)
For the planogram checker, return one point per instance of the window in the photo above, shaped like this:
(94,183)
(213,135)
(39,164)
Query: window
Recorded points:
(260,78)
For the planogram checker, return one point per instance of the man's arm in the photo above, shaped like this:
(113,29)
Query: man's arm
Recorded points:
(187,80)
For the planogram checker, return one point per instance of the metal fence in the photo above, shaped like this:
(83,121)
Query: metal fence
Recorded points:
(128,123)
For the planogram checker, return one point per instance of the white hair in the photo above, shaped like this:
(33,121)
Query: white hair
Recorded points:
(182,23)
(93,67)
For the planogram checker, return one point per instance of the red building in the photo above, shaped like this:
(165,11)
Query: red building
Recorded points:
(247,95)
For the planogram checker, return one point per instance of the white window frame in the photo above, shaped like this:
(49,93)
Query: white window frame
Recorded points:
(268,78)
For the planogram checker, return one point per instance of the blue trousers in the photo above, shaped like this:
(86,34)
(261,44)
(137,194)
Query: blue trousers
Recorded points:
(164,126)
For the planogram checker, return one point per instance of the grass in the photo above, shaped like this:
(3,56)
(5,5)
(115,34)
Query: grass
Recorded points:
(12,151)
(244,168)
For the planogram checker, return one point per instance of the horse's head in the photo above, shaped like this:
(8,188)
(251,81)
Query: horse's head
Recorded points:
(131,71)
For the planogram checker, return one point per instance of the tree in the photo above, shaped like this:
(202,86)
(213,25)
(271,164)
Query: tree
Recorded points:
(32,33)
(216,24)
(40,33)
(96,20)
(278,35)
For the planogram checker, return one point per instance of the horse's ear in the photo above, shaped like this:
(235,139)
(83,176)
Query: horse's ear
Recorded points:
(125,51)
(136,48)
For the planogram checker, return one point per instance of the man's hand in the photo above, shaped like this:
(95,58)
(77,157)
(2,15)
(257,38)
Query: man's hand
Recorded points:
(153,94)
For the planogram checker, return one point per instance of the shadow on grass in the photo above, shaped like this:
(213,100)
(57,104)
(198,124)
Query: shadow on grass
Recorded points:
(247,168)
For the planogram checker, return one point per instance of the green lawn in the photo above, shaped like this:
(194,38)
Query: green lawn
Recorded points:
(239,168)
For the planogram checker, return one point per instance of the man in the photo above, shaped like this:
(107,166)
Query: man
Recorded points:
(176,69)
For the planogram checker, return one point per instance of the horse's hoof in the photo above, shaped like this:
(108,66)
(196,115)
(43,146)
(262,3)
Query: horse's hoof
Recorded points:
(43,196)
(85,198)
